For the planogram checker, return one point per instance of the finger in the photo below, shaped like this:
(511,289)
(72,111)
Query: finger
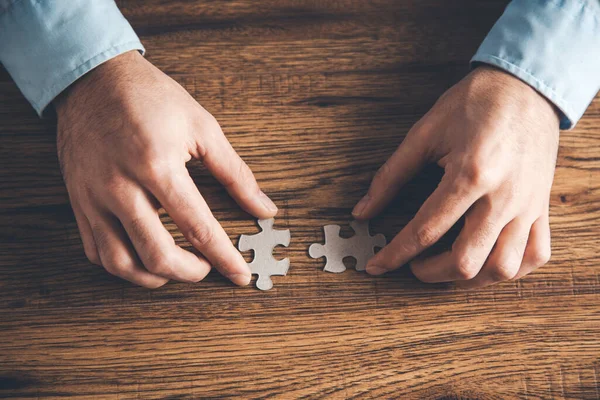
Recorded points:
(154,244)
(407,160)
(538,249)
(181,199)
(228,168)
(436,216)
(469,252)
(87,237)
(505,260)
(117,255)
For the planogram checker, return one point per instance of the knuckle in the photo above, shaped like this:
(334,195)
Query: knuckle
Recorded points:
(476,174)
(154,170)
(425,236)
(161,264)
(467,267)
(505,271)
(541,255)
(200,235)
(118,264)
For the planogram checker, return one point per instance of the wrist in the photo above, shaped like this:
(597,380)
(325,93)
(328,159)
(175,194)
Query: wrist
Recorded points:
(93,81)
(498,83)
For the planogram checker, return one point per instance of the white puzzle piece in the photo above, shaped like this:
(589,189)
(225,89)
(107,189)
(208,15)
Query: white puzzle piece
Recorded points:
(263,243)
(361,246)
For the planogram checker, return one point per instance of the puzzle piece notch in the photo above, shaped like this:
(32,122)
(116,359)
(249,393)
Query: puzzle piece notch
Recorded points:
(361,246)
(264,264)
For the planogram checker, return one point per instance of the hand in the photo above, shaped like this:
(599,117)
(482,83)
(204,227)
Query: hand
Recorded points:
(497,140)
(125,133)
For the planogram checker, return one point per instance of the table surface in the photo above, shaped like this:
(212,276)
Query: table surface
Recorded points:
(314,96)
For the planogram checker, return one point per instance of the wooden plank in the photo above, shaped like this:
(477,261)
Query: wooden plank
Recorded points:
(314,96)
(365,348)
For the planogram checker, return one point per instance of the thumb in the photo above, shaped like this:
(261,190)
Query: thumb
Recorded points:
(408,159)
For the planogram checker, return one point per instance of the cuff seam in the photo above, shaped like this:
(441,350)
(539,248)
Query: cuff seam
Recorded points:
(68,78)
(538,84)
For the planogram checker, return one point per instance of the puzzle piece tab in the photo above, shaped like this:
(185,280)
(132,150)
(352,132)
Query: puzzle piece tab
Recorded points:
(263,243)
(361,246)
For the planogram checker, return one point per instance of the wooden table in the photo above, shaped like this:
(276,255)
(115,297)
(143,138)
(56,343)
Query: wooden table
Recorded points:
(314,95)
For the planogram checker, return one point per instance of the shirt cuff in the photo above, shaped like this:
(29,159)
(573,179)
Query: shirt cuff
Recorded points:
(48,45)
(552,45)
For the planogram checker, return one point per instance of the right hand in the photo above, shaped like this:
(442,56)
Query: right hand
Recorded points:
(125,133)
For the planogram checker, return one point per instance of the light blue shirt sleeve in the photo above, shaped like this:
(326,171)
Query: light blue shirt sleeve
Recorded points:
(552,45)
(46,45)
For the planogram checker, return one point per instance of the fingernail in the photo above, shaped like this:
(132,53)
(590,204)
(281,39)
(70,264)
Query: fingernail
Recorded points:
(375,270)
(240,279)
(358,209)
(267,202)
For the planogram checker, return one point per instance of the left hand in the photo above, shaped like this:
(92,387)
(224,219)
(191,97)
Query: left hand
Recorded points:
(497,140)
(125,133)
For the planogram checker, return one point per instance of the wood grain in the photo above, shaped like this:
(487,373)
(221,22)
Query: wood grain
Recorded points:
(314,95)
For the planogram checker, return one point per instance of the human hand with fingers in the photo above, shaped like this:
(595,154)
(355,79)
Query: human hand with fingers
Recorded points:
(496,139)
(125,133)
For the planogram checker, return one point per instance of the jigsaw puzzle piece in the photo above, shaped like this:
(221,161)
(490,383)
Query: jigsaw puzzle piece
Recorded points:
(364,246)
(334,264)
(361,247)
(379,240)
(360,228)
(332,250)
(361,261)
(281,237)
(245,243)
(262,244)
(264,281)
(316,250)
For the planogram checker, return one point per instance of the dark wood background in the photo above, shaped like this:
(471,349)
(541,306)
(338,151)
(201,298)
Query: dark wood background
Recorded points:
(314,95)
